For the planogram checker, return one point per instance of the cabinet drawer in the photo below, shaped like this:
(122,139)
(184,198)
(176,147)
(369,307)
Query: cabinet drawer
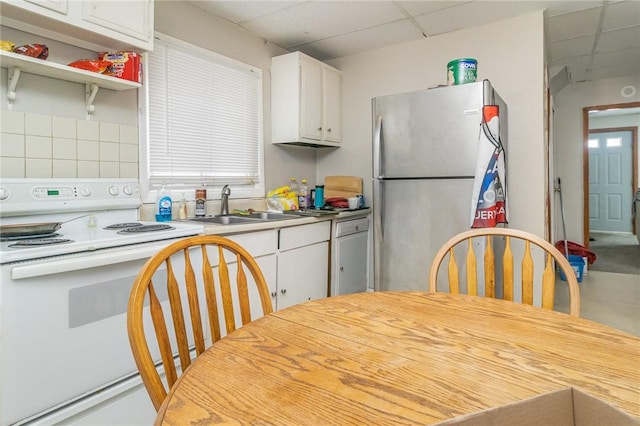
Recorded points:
(257,243)
(349,227)
(304,235)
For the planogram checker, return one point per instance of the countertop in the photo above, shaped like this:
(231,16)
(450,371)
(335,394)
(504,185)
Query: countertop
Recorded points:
(218,229)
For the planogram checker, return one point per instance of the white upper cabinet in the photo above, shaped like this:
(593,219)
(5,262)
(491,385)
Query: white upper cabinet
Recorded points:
(305,101)
(95,25)
(332,130)
(130,18)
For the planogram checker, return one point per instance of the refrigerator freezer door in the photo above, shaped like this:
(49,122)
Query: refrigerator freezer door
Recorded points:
(429,132)
(412,220)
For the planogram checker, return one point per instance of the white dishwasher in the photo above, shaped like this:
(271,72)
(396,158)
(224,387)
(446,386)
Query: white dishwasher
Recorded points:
(350,249)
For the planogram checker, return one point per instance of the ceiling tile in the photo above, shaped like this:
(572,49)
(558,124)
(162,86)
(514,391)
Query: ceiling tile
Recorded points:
(627,56)
(472,14)
(561,7)
(420,7)
(573,47)
(573,25)
(361,41)
(611,41)
(317,20)
(240,11)
(614,71)
(621,15)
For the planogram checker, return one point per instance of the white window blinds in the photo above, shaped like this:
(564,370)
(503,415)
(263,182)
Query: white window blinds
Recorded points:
(205,118)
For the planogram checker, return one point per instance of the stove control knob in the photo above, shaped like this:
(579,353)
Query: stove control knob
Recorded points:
(127,190)
(4,193)
(113,191)
(85,191)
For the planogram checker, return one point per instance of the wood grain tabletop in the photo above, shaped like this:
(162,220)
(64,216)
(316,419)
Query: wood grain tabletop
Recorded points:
(400,358)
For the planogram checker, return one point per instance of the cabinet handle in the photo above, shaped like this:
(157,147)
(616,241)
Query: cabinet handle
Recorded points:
(319,129)
(341,268)
(283,291)
(274,294)
(329,129)
(357,227)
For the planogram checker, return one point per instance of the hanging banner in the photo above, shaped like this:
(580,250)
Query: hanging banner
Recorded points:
(489,200)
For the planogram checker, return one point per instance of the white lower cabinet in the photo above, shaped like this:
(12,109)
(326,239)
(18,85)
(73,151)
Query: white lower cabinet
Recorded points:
(293,260)
(303,264)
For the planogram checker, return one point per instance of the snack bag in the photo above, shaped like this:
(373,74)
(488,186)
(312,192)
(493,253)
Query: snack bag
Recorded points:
(282,198)
(92,65)
(7,45)
(39,51)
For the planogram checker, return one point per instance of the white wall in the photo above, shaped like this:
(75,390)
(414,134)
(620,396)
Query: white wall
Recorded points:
(513,63)
(569,144)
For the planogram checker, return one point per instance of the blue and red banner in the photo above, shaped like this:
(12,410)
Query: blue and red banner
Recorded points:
(489,201)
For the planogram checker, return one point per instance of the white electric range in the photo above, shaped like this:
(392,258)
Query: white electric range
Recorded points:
(65,355)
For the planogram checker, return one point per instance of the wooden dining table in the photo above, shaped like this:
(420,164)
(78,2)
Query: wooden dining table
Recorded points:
(392,358)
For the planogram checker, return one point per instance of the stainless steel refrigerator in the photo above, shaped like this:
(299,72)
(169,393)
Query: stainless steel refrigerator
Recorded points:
(425,152)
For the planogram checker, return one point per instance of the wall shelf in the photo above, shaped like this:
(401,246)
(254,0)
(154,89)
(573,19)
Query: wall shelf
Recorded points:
(17,64)
(63,72)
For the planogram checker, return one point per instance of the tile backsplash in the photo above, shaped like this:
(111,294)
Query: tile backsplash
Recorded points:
(44,146)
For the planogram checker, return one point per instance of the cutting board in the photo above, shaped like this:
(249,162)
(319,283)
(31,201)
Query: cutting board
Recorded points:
(342,186)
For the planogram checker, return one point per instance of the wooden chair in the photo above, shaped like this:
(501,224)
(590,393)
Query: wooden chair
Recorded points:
(190,303)
(527,264)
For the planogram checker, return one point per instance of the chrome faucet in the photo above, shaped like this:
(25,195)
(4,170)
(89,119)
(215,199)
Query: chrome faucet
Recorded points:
(224,207)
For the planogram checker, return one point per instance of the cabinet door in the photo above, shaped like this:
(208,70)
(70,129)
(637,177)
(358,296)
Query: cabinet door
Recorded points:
(332,104)
(351,264)
(310,98)
(131,18)
(60,6)
(303,274)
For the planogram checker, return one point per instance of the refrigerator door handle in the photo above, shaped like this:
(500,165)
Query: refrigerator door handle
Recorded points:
(377,148)
(378,214)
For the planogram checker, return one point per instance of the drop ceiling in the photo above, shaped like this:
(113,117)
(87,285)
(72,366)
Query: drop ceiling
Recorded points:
(593,39)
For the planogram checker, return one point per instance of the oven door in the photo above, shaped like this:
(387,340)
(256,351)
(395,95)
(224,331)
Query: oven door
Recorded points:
(64,328)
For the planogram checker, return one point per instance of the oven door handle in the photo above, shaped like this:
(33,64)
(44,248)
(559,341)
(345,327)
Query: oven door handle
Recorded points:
(61,264)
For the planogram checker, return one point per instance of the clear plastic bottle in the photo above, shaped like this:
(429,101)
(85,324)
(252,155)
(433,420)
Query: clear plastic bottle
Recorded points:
(295,188)
(164,205)
(303,195)
(293,185)
(183,208)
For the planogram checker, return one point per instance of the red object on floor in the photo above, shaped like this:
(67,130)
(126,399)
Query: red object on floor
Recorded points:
(577,249)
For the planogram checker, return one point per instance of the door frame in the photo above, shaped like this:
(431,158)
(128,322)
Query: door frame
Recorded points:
(585,160)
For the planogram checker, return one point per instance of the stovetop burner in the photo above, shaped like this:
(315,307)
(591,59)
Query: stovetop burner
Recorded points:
(30,237)
(40,242)
(145,228)
(123,225)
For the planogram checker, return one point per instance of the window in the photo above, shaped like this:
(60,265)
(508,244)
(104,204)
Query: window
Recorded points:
(614,142)
(594,143)
(204,121)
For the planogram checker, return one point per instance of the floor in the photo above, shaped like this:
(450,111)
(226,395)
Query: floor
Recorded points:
(608,298)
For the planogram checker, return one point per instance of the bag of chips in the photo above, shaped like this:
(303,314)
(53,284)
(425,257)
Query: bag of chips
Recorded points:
(39,51)
(93,65)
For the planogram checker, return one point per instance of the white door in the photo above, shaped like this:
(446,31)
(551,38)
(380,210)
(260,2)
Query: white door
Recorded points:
(610,181)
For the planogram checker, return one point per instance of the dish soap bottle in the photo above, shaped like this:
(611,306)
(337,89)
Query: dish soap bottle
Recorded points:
(164,205)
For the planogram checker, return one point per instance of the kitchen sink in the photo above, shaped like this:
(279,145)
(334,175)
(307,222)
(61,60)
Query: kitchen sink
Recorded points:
(270,216)
(238,219)
(227,220)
